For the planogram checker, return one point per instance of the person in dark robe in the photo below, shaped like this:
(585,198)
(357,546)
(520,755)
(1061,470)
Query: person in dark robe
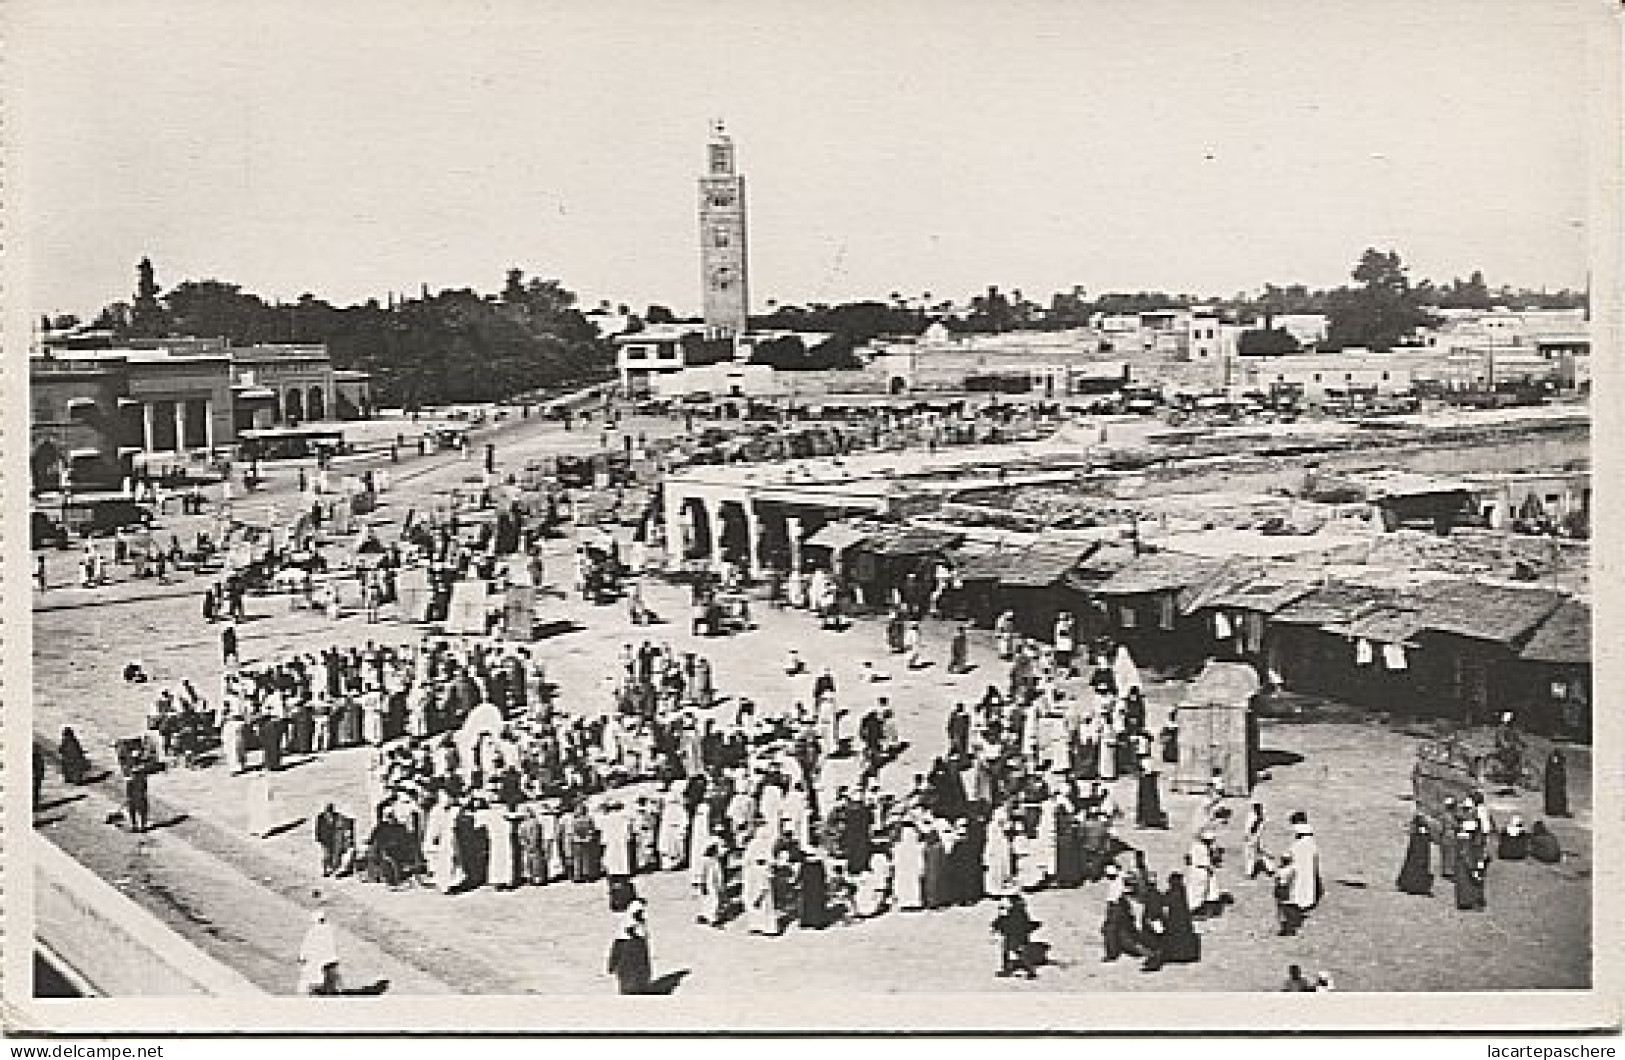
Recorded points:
(813,893)
(1557,785)
(1182,944)
(271,728)
(228,645)
(1296,982)
(629,959)
(39,776)
(1448,823)
(1117,931)
(75,766)
(895,627)
(1513,842)
(959,650)
(857,840)
(1094,845)
(1014,927)
(327,837)
(1416,875)
(936,870)
(471,848)
(1543,845)
(871,732)
(1153,928)
(1170,743)
(1148,812)
(585,853)
(303,734)
(1471,863)
(958,733)
(1068,848)
(136,803)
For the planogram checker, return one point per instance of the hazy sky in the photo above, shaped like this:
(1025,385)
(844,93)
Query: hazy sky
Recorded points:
(349,149)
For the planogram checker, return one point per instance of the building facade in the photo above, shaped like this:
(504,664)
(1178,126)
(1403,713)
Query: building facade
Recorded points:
(724,261)
(97,414)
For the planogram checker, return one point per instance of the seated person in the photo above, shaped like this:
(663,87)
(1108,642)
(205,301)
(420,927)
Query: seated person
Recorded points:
(1543,845)
(1513,844)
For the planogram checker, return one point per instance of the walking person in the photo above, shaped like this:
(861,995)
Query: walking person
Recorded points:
(136,805)
(319,958)
(629,954)
(1416,875)
(228,643)
(1557,785)
(71,756)
(1014,928)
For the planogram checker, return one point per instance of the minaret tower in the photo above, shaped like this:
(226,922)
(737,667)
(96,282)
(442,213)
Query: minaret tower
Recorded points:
(723,262)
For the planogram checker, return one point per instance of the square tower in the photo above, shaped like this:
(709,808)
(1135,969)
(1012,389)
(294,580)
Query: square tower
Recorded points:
(724,266)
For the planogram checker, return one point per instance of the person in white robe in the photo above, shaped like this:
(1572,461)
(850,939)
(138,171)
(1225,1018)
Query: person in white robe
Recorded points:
(262,811)
(761,913)
(1201,879)
(1046,843)
(234,742)
(440,844)
(998,857)
(616,827)
(319,958)
(908,869)
(673,841)
(873,891)
(1125,673)
(710,884)
(503,868)
(1305,853)
(699,838)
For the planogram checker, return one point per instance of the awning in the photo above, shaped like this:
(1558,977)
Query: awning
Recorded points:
(84,454)
(127,450)
(81,403)
(126,402)
(837,537)
(917,541)
(257,393)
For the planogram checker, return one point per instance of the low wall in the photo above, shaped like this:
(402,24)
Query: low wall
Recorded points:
(113,946)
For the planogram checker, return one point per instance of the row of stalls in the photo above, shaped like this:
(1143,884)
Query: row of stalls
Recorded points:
(1409,642)
(968,577)
(1442,646)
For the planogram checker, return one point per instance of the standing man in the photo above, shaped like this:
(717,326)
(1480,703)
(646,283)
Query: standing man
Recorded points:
(1305,853)
(135,798)
(228,643)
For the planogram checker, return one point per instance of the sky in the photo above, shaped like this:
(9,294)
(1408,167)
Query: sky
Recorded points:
(353,149)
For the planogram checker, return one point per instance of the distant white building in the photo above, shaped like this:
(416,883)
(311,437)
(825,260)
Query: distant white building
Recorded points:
(1328,375)
(657,350)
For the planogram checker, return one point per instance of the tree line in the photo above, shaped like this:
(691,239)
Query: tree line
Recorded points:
(437,348)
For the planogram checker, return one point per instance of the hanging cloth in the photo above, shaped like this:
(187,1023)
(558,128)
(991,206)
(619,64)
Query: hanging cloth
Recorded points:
(1393,656)
(1362,652)
(1221,626)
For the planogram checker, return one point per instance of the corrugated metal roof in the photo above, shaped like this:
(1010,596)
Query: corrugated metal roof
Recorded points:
(1498,613)
(1158,572)
(913,541)
(1332,604)
(1564,638)
(838,536)
(1045,564)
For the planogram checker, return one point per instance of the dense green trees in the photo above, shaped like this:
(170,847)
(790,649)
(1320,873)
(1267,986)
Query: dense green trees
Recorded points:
(457,345)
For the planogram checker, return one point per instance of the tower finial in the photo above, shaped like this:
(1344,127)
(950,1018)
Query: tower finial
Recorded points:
(717,129)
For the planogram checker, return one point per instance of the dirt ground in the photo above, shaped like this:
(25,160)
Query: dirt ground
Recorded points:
(242,899)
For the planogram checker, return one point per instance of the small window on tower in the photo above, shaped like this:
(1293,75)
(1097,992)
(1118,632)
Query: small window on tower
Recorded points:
(719,158)
(721,237)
